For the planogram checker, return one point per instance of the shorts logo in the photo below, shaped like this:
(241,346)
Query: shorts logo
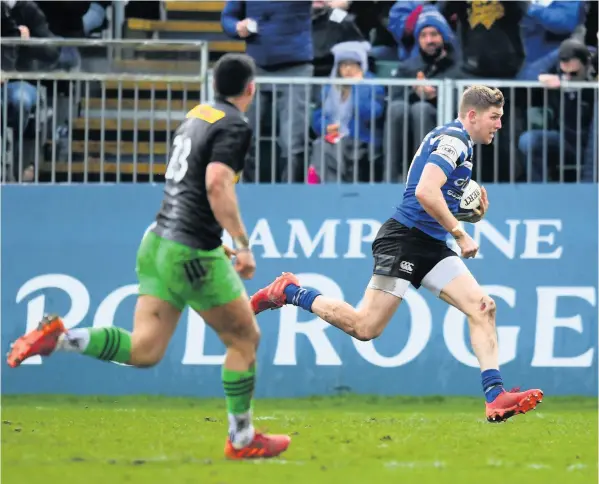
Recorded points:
(406,266)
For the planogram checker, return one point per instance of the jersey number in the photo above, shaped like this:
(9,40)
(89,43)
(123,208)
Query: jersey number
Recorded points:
(178,165)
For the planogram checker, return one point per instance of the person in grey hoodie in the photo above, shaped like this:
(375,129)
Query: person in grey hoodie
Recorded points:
(348,122)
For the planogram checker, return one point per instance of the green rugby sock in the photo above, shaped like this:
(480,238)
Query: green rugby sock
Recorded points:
(107,344)
(239,389)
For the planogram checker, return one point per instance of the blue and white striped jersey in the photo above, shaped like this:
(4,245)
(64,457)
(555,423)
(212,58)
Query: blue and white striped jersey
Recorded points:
(451,148)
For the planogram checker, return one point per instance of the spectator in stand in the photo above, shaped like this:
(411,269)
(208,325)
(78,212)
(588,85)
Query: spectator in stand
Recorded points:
(592,19)
(95,18)
(20,96)
(65,18)
(330,26)
(349,121)
(73,19)
(590,167)
(402,21)
(278,36)
(403,17)
(574,63)
(436,59)
(490,37)
(492,48)
(372,18)
(34,58)
(547,24)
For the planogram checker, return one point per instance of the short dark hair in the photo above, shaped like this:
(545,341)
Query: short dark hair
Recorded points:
(232,73)
(572,49)
(481,98)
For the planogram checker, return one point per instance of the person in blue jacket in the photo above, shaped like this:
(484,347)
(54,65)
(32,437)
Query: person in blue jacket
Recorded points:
(278,37)
(349,121)
(547,24)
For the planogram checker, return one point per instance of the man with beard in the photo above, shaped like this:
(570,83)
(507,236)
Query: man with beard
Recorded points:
(418,106)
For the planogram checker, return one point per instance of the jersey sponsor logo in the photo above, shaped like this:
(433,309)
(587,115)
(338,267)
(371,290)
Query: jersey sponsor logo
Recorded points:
(457,196)
(448,153)
(450,149)
(207,113)
(406,266)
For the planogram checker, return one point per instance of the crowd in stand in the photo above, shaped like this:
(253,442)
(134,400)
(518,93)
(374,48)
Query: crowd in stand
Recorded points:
(47,19)
(357,127)
(362,131)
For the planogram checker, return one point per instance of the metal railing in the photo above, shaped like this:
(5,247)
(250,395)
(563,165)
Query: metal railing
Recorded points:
(79,127)
(118,128)
(119,55)
(547,134)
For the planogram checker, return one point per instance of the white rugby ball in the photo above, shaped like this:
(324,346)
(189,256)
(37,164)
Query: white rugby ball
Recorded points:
(471,196)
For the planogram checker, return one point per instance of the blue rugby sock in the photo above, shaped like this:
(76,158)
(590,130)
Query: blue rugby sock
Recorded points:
(299,296)
(492,384)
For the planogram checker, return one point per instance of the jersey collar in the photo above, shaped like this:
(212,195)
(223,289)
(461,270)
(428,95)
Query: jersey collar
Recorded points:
(461,125)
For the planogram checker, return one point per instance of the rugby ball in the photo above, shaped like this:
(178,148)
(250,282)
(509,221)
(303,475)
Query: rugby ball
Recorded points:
(471,196)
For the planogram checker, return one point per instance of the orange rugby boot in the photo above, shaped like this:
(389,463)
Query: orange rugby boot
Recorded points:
(507,404)
(41,341)
(273,295)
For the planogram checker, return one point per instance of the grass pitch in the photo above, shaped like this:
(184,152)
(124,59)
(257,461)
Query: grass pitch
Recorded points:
(344,439)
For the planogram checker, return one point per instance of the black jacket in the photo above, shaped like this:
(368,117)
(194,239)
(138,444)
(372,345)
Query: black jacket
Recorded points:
(490,36)
(65,18)
(9,29)
(326,33)
(31,16)
(446,67)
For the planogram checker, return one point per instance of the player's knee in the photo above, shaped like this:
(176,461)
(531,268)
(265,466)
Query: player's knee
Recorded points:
(146,359)
(364,330)
(145,352)
(366,334)
(248,331)
(484,311)
(244,334)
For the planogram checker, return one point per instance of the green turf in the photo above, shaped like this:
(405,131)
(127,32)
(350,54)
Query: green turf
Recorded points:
(346,439)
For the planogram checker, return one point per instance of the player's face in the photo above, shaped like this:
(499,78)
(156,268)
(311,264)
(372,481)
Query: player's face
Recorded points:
(488,123)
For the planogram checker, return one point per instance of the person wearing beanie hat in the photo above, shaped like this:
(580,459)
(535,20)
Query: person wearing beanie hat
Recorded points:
(431,17)
(349,120)
(417,108)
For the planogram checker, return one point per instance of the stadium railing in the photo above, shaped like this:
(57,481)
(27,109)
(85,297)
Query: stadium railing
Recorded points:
(96,126)
(533,108)
(118,126)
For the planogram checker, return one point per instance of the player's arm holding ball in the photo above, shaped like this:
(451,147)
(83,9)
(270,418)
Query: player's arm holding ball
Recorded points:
(228,154)
(430,197)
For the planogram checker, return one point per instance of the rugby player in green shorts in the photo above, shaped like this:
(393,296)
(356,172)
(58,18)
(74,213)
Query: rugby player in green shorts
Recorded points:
(181,262)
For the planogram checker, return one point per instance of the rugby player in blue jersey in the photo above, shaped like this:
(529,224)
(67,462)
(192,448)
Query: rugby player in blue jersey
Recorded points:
(411,248)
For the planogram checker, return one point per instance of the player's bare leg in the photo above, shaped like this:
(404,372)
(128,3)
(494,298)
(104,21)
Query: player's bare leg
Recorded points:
(236,326)
(365,323)
(465,294)
(154,323)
